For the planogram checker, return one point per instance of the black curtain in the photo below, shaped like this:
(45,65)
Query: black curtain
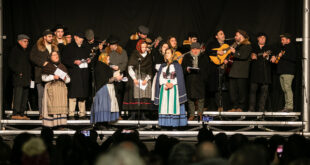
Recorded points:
(163,17)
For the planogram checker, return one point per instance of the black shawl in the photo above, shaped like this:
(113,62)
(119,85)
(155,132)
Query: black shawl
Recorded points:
(146,62)
(102,74)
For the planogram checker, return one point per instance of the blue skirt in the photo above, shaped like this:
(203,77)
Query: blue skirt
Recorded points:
(101,108)
(173,120)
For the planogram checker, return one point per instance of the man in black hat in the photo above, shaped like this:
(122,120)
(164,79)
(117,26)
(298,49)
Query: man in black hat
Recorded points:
(191,38)
(118,62)
(286,58)
(260,73)
(142,33)
(39,55)
(76,58)
(20,66)
(239,72)
(195,71)
(59,38)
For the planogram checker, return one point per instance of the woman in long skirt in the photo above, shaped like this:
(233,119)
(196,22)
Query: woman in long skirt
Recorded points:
(105,106)
(170,93)
(55,105)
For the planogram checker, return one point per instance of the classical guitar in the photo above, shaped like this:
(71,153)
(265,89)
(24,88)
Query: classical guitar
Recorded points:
(219,59)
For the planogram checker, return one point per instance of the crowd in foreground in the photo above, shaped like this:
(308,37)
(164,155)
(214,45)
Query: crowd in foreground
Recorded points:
(125,147)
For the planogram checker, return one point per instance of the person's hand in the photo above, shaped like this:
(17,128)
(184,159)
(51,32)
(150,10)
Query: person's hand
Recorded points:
(119,78)
(115,67)
(169,85)
(77,62)
(265,54)
(88,60)
(56,77)
(136,82)
(225,61)
(156,43)
(45,63)
(220,52)
(188,70)
(144,82)
(273,59)
(253,56)
(280,54)
(233,50)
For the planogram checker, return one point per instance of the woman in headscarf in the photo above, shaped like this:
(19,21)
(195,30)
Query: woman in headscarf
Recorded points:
(55,104)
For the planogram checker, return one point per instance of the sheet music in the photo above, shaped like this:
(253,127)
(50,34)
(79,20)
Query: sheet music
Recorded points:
(60,73)
(143,87)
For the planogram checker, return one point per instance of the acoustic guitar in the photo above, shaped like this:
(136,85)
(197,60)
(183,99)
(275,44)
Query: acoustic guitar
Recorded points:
(278,57)
(219,59)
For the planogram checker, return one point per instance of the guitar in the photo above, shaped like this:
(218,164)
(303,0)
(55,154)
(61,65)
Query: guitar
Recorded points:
(268,52)
(219,59)
(278,57)
(150,46)
(179,56)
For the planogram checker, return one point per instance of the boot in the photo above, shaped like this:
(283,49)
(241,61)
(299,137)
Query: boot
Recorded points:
(191,118)
(82,109)
(220,109)
(132,116)
(200,116)
(72,104)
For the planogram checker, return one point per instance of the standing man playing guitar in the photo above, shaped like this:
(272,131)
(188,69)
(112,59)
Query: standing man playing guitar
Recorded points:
(260,73)
(215,71)
(286,69)
(239,73)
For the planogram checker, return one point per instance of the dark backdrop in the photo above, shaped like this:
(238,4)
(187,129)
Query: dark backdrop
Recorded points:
(163,17)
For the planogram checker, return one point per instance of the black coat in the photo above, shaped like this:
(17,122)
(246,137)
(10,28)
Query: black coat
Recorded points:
(39,55)
(287,62)
(241,65)
(79,84)
(19,63)
(195,81)
(260,68)
(131,46)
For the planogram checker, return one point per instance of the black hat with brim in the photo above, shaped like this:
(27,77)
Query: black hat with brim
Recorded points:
(79,34)
(47,32)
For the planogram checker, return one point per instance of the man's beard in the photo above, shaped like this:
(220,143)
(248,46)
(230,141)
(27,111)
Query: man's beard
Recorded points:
(49,42)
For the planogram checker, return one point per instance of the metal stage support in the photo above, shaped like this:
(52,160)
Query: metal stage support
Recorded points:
(305,64)
(1,62)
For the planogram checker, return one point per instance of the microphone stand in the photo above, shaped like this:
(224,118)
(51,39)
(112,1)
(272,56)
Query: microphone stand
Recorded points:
(139,101)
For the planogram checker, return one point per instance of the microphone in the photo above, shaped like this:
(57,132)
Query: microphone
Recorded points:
(139,60)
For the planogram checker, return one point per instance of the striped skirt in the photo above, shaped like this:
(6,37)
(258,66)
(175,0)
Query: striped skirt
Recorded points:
(55,104)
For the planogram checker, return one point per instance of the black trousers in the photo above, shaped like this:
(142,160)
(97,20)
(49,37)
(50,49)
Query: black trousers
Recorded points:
(238,92)
(262,96)
(20,96)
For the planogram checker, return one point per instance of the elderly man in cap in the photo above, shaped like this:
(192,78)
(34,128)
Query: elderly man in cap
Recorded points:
(142,33)
(118,62)
(76,58)
(19,63)
(286,58)
(39,55)
(195,71)
(239,73)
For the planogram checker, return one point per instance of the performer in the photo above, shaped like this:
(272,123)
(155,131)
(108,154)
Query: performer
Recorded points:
(118,62)
(171,93)
(20,65)
(142,33)
(105,107)
(76,58)
(260,73)
(139,84)
(55,99)
(195,68)
(215,72)
(59,38)
(173,44)
(158,58)
(239,73)
(39,55)
(286,59)
(191,38)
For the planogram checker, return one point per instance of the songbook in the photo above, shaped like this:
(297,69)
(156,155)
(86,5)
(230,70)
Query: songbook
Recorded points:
(60,73)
